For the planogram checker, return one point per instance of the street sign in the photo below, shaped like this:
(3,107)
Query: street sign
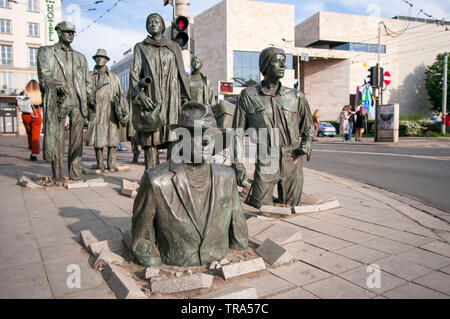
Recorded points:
(225,87)
(387,78)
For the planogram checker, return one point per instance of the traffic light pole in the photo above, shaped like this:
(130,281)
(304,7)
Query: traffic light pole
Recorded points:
(444,95)
(377,89)
(182,8)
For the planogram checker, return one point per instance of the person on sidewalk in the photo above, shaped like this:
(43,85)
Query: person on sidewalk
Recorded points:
(351,122)
(361,123)
(109,112)
(33,121)
(66,86)
(343,124)
(187,211)
(316,124)
(278,115)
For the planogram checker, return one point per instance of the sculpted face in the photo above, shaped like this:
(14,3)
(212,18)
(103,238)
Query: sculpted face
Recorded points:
(66,37)
(155,25)
(100,61)
(196,64)
(205,145)
(276,66)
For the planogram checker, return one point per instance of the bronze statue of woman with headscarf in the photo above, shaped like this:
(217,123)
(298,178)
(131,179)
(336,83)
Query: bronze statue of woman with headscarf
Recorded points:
(158,88)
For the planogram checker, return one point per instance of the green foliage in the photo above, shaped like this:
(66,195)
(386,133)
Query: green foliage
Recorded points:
(434,81)
(412,117)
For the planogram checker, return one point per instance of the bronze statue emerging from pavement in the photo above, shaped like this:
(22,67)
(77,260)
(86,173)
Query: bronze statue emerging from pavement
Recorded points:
(109,112)
(159,86)
(279,114)
(187,213)
(64,78)
(201,87)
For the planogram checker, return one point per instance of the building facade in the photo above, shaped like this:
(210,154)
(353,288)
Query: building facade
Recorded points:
(25,25)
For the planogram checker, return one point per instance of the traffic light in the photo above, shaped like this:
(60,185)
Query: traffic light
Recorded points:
(180,31)
(373,76)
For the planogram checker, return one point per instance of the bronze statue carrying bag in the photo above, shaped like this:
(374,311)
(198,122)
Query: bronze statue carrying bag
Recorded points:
(145,120)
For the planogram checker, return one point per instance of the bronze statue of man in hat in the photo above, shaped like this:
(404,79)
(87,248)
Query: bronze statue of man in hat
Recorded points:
(158,88)
(108,114)
(278,115)
(188,212)
(65,82)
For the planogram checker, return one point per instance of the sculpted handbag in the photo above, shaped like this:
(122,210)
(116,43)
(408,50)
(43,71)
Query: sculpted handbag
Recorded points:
(147,120)
(25,105)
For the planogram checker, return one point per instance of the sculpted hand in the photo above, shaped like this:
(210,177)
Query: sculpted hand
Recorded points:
(146,103)
(241,177)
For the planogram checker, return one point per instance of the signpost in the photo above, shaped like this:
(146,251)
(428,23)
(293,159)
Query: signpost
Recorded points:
(224,87)
(387,78)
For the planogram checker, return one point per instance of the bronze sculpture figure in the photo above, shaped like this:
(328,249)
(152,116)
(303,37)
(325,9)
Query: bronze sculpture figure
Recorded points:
(280,113)
(108,114)
(159,86)
(65,82)
(201,87)
(188,214)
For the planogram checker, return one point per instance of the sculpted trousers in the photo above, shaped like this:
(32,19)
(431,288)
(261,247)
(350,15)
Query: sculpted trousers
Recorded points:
(287,176)
(75,147)
(111,161)
(151,156)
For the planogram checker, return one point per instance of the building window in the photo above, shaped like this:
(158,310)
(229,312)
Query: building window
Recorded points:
(33,29)
(4,4)
(5,54)
(6,81)
(33,77)
(32,57)
(5,26)
(33,5)
(361,47)
(125,78)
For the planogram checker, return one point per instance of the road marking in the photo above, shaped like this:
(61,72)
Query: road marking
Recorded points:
(439,158)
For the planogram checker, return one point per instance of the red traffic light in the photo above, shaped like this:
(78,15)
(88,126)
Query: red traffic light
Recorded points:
(181,23)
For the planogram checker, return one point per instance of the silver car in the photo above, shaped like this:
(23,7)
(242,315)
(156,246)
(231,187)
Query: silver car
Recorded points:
(326,129)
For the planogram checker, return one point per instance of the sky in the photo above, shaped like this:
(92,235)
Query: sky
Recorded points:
(124,24)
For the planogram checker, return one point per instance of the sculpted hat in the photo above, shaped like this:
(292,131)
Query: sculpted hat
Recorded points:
(65,26)
(266,55)
(101,52)
(193,114)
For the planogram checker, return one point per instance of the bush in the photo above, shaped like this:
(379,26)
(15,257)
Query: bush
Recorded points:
(415,128)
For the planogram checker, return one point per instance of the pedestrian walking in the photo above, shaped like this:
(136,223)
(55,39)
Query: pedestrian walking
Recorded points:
(316,124)
(343,124)
(33,121)
(351,121)
(361,123)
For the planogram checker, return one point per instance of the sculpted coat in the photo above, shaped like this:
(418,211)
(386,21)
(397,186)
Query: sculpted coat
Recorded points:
(164,225)
(50,67)
(111,110)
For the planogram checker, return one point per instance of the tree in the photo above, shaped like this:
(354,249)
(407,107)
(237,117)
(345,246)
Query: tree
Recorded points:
(434,78)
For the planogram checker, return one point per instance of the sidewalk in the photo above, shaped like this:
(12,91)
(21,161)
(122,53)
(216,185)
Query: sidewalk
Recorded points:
(402,141)
(39,238)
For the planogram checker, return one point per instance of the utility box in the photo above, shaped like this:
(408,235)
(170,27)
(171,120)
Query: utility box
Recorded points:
(387,123)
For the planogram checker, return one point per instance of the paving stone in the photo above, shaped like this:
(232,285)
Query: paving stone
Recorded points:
(89,278)
(87,238)
(445,269)
(94,293)
(423,231)
(411,239)
(21,273)
(128,187)
(413,291)
(338,288)
(38,289)
(296,293)
(355,236)
(425,258)
(60,266)
(329,205)
(242,268)
(127,238)
(299,273)
(328,242)
(273,253)
(275,210)
(360,275)
(403,268)
(256,225)
(281,233)
(123,168)
(331,262)
(362,254)
(122,283)
(25,181)
(196,281)
(91,171)
(151,272)
(437,281)
(95,180)
(236,292)
(387,245)
(114,245)
(438,247)
(20,257)
(267,284)
(108,257)
(299,249)
(97,184)
(77,185)
(305,209)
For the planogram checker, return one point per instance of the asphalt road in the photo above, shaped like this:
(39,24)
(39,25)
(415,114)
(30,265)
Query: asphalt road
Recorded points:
(417,171)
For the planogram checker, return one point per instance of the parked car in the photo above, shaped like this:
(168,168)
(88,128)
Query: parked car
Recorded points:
(326,129)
